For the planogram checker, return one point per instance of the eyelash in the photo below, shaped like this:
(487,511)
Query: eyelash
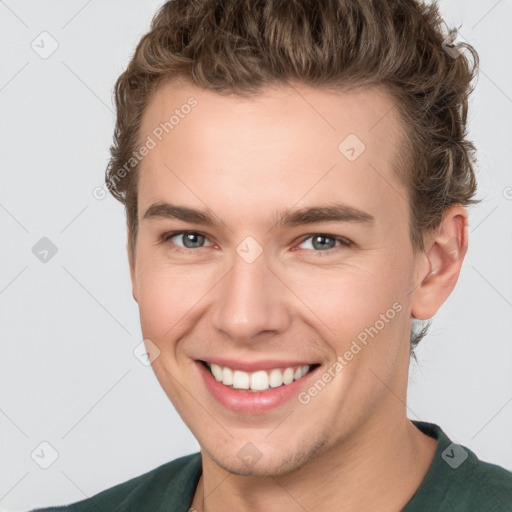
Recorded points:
(344,242)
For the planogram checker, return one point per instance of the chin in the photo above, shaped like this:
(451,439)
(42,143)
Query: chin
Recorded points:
(271,462)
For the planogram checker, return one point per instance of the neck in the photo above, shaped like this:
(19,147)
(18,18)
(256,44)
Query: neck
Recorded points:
(379,468)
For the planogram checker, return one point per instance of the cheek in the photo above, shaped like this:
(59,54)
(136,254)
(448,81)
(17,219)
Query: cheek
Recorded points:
(340,302)
(166,295)
(347,297)
(359,303)
(153,301)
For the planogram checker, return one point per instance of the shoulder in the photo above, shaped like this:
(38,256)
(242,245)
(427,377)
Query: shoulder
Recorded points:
(458,480)
(171,483)
(488,487)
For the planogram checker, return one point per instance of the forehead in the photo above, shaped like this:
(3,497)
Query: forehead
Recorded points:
(286,145)
(297,110)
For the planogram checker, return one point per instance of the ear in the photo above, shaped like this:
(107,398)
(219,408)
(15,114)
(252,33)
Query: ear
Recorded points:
(442,260)
(133,275)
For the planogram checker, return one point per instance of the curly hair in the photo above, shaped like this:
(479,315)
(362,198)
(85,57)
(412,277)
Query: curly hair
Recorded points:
(242,46)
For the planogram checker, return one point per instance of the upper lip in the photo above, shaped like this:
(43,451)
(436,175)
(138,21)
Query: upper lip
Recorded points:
(253,366)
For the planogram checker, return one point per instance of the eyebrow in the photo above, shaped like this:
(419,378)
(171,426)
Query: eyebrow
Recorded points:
(295,217)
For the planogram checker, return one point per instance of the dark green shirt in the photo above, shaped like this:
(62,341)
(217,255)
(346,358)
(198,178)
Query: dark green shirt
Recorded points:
(455,481)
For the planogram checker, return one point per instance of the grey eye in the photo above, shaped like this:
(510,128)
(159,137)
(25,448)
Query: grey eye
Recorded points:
(321,242)
(190,240)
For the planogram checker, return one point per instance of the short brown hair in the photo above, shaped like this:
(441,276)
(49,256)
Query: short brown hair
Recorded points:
(241,46)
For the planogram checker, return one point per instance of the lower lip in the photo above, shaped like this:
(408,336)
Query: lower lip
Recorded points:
(252,402)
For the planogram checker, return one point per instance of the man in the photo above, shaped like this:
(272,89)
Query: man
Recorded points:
(295,176)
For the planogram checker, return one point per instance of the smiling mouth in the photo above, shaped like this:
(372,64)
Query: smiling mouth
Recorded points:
(261,380)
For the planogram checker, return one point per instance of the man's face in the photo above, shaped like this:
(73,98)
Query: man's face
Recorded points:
(254,295)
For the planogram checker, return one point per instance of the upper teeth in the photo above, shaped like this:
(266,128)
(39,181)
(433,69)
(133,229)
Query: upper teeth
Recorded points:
(257,381)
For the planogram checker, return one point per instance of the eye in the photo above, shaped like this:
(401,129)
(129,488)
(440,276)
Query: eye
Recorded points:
(319,242)
(324,243)
(188,239)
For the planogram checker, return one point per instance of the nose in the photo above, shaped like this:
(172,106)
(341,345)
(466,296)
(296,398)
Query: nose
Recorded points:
(251,301)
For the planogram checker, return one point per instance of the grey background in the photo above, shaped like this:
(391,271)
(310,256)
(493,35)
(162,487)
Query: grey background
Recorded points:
(69,326)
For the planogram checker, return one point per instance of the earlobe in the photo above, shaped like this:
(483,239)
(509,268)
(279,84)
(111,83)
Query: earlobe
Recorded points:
(445,253)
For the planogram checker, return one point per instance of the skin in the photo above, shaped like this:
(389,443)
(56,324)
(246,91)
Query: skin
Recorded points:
(244,160)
